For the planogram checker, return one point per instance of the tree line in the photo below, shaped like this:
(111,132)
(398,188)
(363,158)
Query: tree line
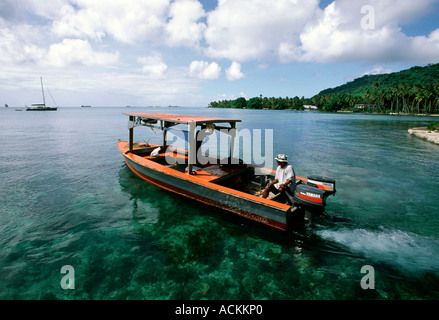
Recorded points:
(261,102)
(402,98)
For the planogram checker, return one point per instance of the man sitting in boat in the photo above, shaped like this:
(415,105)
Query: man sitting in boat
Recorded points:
(284,176)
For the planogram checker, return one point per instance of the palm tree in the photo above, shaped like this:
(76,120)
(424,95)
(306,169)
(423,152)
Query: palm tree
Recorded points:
(428,94)
(403,90)
(395,93)
(389,98)
(436,98)
(418,94)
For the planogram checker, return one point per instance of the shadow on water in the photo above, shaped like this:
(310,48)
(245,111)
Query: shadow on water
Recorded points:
(168,207)
(157,211)
(168,211)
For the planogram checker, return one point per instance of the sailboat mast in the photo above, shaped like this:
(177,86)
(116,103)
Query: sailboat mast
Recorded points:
(42,89)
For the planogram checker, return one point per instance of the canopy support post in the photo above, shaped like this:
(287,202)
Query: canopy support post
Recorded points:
(192,148)
(131,130)
(164,134)
(232,133)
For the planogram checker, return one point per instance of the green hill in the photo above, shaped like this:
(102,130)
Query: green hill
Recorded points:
(411,91)
(415,76)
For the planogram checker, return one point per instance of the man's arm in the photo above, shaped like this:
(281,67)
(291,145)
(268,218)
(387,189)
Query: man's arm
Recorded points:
(284,184)
(271,183)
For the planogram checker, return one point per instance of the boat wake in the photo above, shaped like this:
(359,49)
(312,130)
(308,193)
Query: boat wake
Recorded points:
(406,251)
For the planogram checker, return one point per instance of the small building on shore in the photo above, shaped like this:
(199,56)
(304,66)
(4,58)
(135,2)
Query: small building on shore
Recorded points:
(365,106)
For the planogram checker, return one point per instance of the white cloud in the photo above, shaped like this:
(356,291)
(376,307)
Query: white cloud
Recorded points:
(338,35)
(256,29)
(396,12)
(234,72)
(183,28)
(77,52)
(377,70)
(153,66)
(434,36)
(299,30)
(238,30)
(204,70)
(44,9)
(126,21)
(16,47)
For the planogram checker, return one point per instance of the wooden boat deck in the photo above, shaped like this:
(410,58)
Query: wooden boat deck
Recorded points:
(214,173)
(211,172)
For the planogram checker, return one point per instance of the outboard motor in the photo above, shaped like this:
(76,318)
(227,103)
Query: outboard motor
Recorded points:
(312,196)
(322,183)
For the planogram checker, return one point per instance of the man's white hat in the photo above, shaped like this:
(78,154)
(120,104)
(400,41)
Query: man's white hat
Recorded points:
(281,158)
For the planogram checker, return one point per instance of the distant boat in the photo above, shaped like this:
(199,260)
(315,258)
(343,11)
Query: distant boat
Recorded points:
(6,105)
(85,106)
(41,106)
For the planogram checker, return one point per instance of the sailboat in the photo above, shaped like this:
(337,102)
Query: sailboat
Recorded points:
(41,106)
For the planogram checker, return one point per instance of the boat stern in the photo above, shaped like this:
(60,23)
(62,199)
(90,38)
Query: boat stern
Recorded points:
(311,197)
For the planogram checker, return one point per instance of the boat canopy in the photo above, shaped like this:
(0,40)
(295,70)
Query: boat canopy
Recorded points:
(164,121)
(181,119)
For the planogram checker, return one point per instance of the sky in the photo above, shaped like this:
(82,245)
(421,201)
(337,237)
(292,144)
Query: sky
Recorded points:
(192,52)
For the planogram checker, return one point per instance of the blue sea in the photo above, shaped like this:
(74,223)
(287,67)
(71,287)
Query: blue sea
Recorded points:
(68,199)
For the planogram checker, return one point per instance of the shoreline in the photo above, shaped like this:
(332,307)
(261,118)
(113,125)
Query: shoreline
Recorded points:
(425,134)
(342,111)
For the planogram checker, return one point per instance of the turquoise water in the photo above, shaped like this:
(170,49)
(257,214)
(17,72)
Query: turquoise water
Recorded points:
(67,198)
